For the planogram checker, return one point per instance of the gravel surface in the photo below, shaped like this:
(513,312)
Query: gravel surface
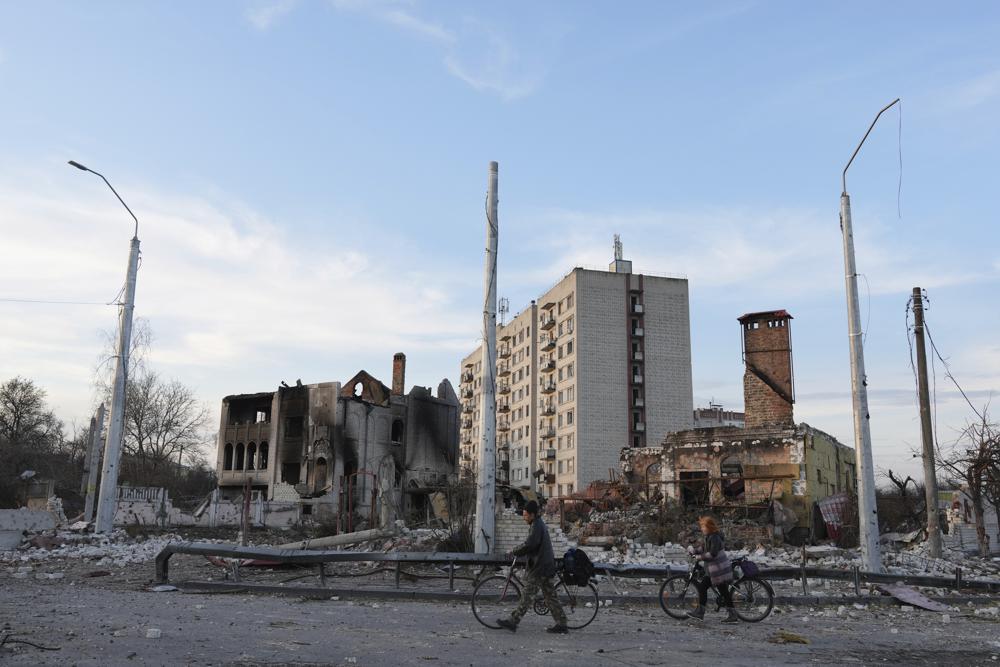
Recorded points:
(114,620)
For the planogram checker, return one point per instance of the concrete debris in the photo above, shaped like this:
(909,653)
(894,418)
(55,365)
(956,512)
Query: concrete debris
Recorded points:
(786,637)
(909,596)
(153,633)
(116,549)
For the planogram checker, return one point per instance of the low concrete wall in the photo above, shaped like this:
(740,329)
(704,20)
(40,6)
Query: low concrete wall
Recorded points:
(13,524)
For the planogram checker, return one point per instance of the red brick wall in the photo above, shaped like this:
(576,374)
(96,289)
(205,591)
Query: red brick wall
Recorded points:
(768,348)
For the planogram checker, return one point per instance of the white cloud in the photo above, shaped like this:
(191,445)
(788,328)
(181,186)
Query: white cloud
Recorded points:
(973,92)
(784,253)
(225,290)
(476,53)
(264,16)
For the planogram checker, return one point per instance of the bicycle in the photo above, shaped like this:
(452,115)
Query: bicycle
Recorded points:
(497,596)
(753,598)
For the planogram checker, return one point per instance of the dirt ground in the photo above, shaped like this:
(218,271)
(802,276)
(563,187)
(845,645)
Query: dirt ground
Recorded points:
(115,620)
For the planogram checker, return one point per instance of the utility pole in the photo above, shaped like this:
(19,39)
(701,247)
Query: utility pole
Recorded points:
(868,535)
(108,498)
(926,431)
(94,462)
(486,480)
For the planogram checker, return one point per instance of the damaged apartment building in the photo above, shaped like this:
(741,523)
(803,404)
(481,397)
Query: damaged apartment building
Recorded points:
(360,454)
(768,459)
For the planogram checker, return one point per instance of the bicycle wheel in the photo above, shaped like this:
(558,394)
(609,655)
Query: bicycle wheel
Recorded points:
(678,596)
(753,599)
(579,603)
(493,598)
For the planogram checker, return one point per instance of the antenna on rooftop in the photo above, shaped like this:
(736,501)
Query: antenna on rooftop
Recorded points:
(504,309)
(618,247)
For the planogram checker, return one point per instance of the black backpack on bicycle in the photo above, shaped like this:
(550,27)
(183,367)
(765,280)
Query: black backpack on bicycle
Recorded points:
(577,567)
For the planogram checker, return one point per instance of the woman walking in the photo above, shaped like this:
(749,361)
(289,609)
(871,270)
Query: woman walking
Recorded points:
(719,570)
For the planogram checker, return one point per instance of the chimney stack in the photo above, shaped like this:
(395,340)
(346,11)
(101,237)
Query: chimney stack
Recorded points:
(398,374)
(768,386)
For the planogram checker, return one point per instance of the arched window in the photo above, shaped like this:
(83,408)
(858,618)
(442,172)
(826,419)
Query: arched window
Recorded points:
(227,457)
(251,456)
(320,480)
(262,456)
(239,456)
(397,432)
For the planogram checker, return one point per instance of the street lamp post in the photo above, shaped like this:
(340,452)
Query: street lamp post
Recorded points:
(868,534)
(108,498)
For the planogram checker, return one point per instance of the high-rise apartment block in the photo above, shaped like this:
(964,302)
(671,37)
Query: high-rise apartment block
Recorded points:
(600,361)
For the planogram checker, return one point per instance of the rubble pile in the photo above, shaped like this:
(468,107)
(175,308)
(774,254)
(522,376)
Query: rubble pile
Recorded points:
(116,549)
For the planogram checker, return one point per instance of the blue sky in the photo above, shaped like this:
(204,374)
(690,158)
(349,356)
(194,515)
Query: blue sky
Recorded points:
(310,178)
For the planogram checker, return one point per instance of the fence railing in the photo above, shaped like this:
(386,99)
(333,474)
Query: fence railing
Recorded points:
(315,557)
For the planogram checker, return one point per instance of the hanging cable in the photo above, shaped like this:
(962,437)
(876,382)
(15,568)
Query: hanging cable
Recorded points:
(948,373)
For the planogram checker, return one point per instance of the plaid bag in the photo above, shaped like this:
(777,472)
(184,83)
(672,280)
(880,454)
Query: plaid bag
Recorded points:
(720,570)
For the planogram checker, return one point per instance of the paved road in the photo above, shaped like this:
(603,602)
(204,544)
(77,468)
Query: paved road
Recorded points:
(96,625)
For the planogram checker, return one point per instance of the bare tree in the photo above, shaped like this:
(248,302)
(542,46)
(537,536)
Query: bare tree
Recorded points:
(973,460)
(31,438)
(163,419)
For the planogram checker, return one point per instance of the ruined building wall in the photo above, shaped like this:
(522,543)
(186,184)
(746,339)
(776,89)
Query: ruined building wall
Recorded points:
(767,350)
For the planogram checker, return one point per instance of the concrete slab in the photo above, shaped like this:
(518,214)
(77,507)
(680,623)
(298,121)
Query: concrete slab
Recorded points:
(25,519)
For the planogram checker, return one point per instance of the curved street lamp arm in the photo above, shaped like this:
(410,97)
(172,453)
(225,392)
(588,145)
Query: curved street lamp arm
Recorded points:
(80,166)
(854,154)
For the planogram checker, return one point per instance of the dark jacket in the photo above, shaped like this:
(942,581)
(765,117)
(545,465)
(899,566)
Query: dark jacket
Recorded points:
(538,549)
(716,560)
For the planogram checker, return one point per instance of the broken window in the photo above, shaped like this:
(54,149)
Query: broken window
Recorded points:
(320,476)
(733,486)
(239,456)
(694,487)
(251,456)
(293,426)
(227,457)
(397,432)
(262,456)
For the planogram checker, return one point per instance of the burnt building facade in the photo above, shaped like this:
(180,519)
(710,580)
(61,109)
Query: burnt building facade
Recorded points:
(769,459)
(359,451)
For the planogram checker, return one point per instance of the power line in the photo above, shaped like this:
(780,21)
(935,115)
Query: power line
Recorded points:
(60,302)
(948,373)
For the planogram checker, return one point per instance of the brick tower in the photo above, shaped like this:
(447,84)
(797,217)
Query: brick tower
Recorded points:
(768,386)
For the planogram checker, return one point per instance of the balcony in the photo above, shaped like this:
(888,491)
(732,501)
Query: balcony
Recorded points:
(466,423)
(548,409)
(467,376)
(548,366)
(504,352)
(638,332)
(467,392)
(636,379)
(503,388)
(639,427)
(506,336)
(467,440)
(503,370)
(550,478)
(503,425)
(637,355)
(548,433)
(550,454)
(637,308)
(638,402)
(549,343)
(503,406)
(468,408)
(233,477)
(547,322)
(548,387)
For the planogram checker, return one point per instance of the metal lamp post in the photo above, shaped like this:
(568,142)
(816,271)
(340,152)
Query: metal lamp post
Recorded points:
(868,534)
(108,498)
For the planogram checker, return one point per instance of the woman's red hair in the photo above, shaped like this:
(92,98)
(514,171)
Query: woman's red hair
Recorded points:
(709,524)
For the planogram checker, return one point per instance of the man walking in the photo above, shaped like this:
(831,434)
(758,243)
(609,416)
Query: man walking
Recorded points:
(541,569)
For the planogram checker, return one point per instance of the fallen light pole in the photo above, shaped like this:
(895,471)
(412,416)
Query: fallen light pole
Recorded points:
(868,534)
(108,497)
(486,479)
